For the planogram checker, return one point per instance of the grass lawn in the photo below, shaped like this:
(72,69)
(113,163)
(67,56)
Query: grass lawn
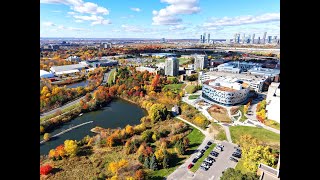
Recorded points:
(243,117)
(191,89)
(205,155)
(272,123)
(111,76)
(176,88)
(193,96)
(183,60)
(240,167)
(221,136)
(259,133)
(196,138)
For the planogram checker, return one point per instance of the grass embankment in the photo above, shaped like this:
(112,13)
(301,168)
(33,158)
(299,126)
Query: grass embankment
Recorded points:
(183,61)
(191,89)
(176,88)
(67,109)
(218,131)
(205,155)
(272,123)
(196,138)
(111,76)
(243,117)
(219,113)
(261,134)
(193,97)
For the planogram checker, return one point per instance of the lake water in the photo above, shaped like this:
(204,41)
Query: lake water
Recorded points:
(118,113)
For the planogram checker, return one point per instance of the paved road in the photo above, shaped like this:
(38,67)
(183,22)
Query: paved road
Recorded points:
(105,79)
(222,163)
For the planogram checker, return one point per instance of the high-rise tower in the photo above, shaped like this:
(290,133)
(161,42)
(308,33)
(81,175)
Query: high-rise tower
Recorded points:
(252,41)
(264,37)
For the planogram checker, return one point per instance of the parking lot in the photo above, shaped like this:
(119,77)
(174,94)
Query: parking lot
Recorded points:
(222,162)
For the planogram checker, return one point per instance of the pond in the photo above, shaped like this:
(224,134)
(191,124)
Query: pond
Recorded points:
(116,114)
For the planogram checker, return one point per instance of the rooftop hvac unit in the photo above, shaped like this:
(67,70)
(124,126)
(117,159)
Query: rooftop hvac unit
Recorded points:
(217,84)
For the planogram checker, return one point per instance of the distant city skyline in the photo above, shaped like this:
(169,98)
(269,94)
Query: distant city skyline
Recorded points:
(169,19)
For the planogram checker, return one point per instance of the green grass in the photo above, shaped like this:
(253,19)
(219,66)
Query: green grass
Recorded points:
(205,155)
(259,133)
(176,88)
(111,76)
(191,89)
(272,123)
(193,96)
(240,167)
(196,138)
(183,60)
(243,117)
(221,136)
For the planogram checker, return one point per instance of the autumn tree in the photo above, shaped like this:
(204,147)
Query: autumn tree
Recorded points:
(146,135)
(233,174)
(146,162)
(129,130)
(45,169)
(46,137)
(157,112)
(179,147)
(70,147)
(41,129)
(140,174)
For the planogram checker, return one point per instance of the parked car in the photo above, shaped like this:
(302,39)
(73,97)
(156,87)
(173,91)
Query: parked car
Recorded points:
(211,158)
(194,160)
(220,145)
(202,151)
(190,166)
(208,161)
(199,155)
(219,148)
(204,164)
(204,168)
(233,159)
(209,143)
(206,147)
(214,153)
(236,155)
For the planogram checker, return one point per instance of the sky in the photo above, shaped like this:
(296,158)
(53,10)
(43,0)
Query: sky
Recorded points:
(170,19)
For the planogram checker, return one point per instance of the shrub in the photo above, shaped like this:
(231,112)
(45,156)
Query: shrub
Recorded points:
(45,169)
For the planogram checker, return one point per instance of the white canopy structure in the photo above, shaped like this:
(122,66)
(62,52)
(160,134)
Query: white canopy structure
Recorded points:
(46,74)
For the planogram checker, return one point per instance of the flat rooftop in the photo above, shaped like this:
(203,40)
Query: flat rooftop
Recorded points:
(242,76)
(68,67)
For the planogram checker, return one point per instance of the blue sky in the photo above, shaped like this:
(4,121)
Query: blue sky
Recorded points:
(175,19)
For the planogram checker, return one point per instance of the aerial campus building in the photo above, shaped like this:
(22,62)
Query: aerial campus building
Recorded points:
(200,61)
(225,91)
(237,66)
(171,66)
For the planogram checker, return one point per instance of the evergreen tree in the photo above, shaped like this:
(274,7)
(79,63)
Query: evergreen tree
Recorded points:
(140,158)
(153,163)
(146,162)
(165,162)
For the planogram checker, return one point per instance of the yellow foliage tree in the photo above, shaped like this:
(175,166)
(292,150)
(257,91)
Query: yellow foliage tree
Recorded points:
(199,120)
(52,153)
(41,129)
(159,155)
(70,147)
(46,136)
(115,166)
(129,130)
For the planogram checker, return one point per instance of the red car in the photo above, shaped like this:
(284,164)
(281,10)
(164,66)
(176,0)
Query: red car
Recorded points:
(190,166)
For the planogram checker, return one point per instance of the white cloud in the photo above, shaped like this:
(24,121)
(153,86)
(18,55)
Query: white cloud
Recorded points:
(72,13)
(136,9)
(167,16)
(243,20)
(48,24)
(78,21)
(129,28)
(177,27)
(96,20)
(80,6)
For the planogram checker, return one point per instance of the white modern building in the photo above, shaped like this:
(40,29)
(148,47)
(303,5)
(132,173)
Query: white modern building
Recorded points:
(200,61)
(46,74)
(225,91)
(149,69)
(73,59)
(237,66)
(67,69)
(259,71)
(171,66)
(273,102)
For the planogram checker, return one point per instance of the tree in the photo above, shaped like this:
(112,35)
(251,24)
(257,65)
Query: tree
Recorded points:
(115,166)
(140,174)
(146,162)
(257,155)
(129,130)
(157,112)
(179,148)
(41,129)
(45,169)
(153,163)
(70,147)
(165,162)
(146,135)
(60,151)
(232,174)
(52,153)
(46,137)
(140,158)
